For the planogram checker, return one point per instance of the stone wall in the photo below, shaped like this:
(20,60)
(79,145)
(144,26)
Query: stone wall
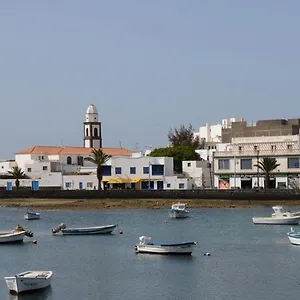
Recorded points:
(154,194)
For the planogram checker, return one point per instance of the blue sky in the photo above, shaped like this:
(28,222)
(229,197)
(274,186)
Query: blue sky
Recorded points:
(146,65)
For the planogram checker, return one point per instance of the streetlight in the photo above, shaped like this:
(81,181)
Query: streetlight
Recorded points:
(257,160)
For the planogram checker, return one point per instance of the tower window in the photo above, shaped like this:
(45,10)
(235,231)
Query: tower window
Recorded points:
(87,132)
(80,160)
(69,160)
(95,131)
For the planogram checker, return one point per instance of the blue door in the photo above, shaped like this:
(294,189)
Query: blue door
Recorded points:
(34,185)
(80,185)
(9,186)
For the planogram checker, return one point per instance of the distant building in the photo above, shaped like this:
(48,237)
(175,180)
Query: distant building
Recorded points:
(235,167)
(278,127)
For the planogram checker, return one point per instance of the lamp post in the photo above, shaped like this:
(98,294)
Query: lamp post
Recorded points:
(257,160)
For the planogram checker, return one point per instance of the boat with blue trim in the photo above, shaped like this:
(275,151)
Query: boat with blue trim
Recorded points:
(146,246)
(106,229)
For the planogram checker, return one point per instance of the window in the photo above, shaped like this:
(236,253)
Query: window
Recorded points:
(240,148)
(69,160)
(273,148)
(157,170)
(95,131)
(68,184)
(89,185)
(79,160)
(293,163)
(146,170)
(289,147)
(45,168)
(118,170)
(87,132)
(255,148)
(223,164)
(188,164)
(106,170)
(246,163)
(28,169)
(168,185)
(181,185)
(132,170)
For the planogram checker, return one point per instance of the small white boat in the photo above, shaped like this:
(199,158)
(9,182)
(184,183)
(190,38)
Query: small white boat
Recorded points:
(28,281)
(32,215)
(16,235)
(178,210)
(294,237)
(279,217)
(84,230)
(146,246)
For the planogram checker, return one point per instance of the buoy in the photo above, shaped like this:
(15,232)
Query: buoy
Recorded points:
(207,254)
(166,221)
(121,232)
(34,241)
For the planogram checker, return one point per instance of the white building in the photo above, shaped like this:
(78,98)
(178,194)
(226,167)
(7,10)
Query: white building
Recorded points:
(212,134)
(235,168)
(66,167)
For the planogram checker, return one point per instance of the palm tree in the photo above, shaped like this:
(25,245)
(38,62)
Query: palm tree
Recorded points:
(267,165)
(17,173)
(98,157)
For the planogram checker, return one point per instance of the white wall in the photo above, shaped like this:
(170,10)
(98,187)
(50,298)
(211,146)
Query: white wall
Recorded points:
(6,166)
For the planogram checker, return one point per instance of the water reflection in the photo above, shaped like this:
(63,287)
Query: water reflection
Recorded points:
(44,294)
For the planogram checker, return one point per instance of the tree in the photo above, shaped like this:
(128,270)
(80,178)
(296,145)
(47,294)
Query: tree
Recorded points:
(267,165)
(179,154)
(17,173)
(98,157)
(184,136)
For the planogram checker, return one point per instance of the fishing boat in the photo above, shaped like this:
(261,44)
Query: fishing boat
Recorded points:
(146,246)
(32,215)
(84,230)
(294,237)
(28,281)
(178,210)
(279,217)
(14,236)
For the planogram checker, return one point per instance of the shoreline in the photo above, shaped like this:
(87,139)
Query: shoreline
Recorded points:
(105,204)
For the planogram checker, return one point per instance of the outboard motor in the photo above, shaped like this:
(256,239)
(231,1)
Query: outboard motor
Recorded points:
(59,228)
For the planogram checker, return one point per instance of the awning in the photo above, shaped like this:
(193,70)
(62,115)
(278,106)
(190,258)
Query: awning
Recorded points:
(124,180)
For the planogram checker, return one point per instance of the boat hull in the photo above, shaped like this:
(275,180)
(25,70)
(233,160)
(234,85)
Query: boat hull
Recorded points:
(183,249)
(294,238)
(89,230)
(19,284)
(277,221)
(178,214)
(12,237)
(32,216)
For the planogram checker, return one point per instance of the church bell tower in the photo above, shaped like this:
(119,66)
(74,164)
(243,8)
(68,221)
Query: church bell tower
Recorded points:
(92,128)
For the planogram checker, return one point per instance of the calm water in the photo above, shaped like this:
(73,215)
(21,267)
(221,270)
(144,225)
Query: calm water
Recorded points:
(247,261)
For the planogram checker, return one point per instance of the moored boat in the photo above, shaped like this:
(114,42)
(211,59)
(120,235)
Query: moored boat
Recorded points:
(106,229)
(279,217)
(28,281)
(32,215)
(146,246)
(294,237)
(14,236)
(178,210)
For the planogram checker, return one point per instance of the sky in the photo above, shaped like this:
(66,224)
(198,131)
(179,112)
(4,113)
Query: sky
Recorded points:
(147,66)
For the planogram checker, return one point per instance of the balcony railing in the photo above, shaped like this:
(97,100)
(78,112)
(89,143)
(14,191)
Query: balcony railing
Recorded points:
(253,153)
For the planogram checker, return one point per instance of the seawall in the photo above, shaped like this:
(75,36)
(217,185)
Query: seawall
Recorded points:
(152,194)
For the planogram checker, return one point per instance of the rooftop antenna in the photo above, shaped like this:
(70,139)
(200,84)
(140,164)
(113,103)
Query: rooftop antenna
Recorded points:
(120,143)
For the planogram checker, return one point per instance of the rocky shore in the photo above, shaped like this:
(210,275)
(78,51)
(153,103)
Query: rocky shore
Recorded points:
(101,204)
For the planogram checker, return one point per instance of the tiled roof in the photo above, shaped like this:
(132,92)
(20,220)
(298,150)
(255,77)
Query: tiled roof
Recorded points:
(52,150)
